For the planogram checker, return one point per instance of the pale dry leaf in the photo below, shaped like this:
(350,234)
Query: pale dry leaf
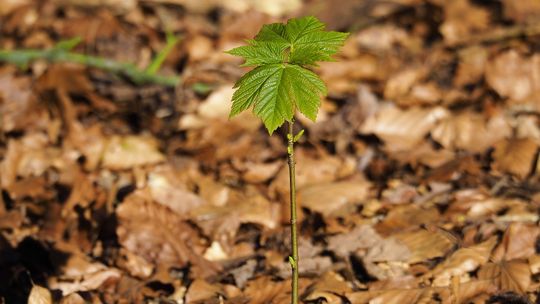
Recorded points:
(248,206)
(272,8)
(425,154)
(338,75)
(515,156)
(334,199)
(461,19)
(136,265)
(39,295)
(168,190)
(126,152)
(471,131)
(425,245)
(199,48)
(514,76)
(507,275)
(364,237)
(463,261)
(381,37)
(424,94)
(217,104)
(403,130)
(399,84)
(261,172)
(534,263)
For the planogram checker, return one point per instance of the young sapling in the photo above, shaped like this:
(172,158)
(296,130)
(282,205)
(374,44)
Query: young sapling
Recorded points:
(282,82)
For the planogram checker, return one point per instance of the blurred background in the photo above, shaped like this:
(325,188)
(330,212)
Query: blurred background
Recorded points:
(124,181)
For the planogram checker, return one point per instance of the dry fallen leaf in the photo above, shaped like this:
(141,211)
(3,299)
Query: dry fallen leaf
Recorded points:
(334,199)
(462,261)
(159,235)
(507,275)
(39,295)
(167,189)
(521,11)
(403,129)
(425,245)
(515,156)
(514,76)
(201,290)
(472,65)
(329,286)
(130,151)
(463,19)
(471,131)
(519,242)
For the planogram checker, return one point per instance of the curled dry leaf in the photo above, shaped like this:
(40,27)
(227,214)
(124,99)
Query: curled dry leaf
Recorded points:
(514,76)
(507,275)
(403,129)
(126,152)
(159,236)
(463,261)
(39,295)
(334,199)
(471,131)
(515,156)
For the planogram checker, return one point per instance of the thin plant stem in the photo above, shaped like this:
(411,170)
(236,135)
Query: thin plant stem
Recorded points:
(294,234)
(25,56)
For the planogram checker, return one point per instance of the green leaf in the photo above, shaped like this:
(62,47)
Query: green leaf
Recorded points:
(280,83)
(275,91)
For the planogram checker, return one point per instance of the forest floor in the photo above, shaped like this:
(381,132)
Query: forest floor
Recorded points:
(419,182)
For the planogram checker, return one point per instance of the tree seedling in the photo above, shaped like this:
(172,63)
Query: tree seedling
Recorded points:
(281,83)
